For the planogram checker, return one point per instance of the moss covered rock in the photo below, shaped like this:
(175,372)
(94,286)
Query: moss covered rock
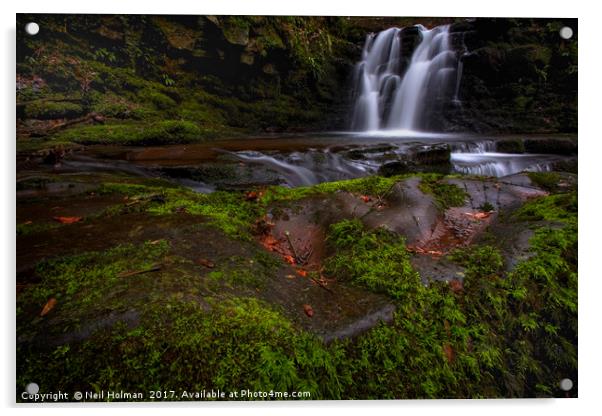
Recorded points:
(163,132)
(510,146)
(47,110)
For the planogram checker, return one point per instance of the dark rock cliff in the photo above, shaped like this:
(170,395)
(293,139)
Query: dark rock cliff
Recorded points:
(222,75)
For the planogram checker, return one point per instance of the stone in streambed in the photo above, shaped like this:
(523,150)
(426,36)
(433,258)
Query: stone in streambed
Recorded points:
(433,155)
(557,146)
(510,146)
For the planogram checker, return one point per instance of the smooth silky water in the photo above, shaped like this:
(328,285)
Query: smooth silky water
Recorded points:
(395,100)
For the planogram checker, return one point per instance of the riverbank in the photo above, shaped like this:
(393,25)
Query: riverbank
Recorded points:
(327,282)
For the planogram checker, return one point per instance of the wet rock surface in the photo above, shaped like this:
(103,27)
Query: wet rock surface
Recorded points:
(295,234)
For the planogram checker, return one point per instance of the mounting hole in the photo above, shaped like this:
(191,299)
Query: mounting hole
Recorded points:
(32,28)
(32,388)
(566,384)
(566,33)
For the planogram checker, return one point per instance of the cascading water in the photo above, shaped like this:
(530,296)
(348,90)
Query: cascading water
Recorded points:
(393,92)
(404,81)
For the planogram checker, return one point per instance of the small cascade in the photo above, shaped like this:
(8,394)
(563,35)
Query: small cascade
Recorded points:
(393,92)
(307,168)
(481,146)
(500,164)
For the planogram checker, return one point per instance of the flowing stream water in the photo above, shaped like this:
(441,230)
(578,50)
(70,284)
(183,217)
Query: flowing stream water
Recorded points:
(405,77)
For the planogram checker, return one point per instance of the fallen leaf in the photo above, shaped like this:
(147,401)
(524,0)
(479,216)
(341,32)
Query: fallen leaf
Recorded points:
(365,198)
(269,242)
(290,276)
(48,306)
(67,220)
(449,352)
(251,196)
(301,272)
(456,285)
(309,311)
(28,222)
(289,259)
(479,215)
(206,263)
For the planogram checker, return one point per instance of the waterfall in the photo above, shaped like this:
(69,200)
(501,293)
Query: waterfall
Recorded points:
(393,92)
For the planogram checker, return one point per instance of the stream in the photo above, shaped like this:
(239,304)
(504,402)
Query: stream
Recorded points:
(302,159)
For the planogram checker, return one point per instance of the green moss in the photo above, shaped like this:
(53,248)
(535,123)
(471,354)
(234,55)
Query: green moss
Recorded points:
(81,282)
(446,195)
(376,259)
(228,211)
(159,100)
(162,132)
(114,106)
(239,344)
(32,228)
(556,208)
(545,180)
(479,261)
(506,334)
(371,185)
(241,272)
(44,110)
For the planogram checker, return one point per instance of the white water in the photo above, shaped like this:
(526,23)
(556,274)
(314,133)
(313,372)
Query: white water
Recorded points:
(397,96)
(307,168)
(392,98)
(500,164)
(312,166)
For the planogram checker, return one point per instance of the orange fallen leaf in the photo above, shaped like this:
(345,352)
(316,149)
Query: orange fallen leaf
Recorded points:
(479,215)
(309,311)
(365,198)
(456,285)
(269,242)
(67,220)
(289,259)
(251,196)
(207,263)
(449,353)
(48,306)
(301,272)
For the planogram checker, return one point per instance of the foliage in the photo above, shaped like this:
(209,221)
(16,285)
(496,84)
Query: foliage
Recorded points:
(228,211)
(376,259)
(547,181)
(44,110)
(446,195)
(161,132)
(377,186)
(559,207)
